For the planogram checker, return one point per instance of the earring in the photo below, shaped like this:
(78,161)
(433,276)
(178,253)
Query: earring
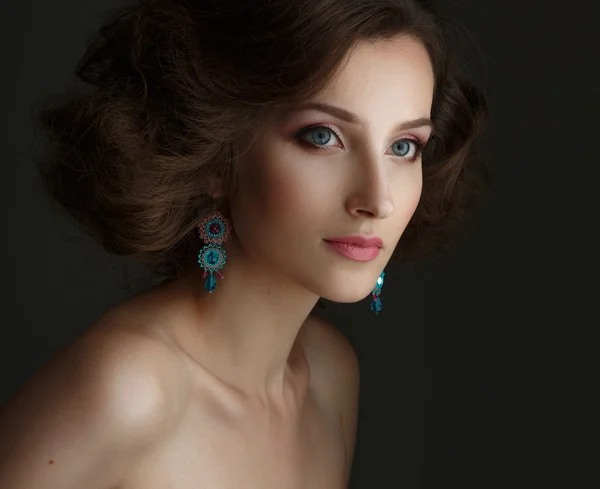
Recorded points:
(214,230)
(376,305)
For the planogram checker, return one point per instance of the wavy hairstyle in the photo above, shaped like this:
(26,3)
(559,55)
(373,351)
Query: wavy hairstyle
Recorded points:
(175,90)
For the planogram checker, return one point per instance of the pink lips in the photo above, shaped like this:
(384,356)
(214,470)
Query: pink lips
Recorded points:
(359,248)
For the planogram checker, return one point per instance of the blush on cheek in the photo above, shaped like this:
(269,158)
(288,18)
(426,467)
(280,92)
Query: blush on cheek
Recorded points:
(288,185)
(285,199)
(270,196)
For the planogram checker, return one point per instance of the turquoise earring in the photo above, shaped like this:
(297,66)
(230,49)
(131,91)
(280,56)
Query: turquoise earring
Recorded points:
(376,305)
(214,230)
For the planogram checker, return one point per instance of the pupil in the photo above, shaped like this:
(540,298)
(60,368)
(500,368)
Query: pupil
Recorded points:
(321,136)
(406,146)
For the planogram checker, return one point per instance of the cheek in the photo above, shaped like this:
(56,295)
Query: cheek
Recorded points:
(407,200)
(415,195)
(271,196)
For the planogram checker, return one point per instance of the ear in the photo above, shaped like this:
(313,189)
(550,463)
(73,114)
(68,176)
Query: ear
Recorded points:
(215,187)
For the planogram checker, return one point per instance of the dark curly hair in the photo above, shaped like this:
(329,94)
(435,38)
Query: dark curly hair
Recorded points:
(176,90)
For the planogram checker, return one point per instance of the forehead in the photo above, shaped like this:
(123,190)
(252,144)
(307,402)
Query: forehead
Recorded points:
(393,75)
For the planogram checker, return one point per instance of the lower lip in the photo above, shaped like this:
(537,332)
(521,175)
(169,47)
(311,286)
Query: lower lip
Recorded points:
(358,253)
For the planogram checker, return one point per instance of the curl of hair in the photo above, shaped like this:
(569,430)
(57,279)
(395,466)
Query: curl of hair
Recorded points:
(176,90)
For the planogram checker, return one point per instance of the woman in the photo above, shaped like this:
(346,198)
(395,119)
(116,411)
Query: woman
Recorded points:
(259,155)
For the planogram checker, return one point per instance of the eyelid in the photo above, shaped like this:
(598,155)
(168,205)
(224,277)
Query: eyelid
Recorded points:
(413,137)
(311,127)
(417,142)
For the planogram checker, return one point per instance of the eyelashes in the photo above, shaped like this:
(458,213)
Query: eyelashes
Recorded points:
(323,131)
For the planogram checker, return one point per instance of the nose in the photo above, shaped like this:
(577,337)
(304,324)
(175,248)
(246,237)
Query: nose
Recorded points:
(371,195)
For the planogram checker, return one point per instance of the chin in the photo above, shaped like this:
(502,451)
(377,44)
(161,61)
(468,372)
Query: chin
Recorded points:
(343,283)
(347,290)
(345,298)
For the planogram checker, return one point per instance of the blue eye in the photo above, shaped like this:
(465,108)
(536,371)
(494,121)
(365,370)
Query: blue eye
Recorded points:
(319,137)
(403,146)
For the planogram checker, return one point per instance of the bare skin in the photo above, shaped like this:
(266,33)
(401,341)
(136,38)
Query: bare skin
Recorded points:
(297,442)
(130,400)
(179,388)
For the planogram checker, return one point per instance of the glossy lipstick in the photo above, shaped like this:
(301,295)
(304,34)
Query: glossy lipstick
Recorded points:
(359,248)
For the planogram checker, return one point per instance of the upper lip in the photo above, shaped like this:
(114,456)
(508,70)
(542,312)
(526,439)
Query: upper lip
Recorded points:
(359,240)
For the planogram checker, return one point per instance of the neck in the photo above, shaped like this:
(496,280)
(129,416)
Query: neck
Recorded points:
(249,324)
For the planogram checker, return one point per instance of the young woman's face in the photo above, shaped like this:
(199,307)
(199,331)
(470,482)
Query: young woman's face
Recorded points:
(312,175)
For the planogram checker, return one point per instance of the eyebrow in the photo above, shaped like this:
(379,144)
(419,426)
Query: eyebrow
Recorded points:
(352,118)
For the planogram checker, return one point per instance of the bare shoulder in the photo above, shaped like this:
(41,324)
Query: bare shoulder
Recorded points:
(90,413)
(133,368)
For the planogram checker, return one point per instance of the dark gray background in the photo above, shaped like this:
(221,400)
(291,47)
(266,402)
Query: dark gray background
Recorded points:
(482,370)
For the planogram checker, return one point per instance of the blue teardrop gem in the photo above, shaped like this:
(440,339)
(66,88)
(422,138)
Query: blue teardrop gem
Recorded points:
(211,283)
(378,284)
(376,306)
